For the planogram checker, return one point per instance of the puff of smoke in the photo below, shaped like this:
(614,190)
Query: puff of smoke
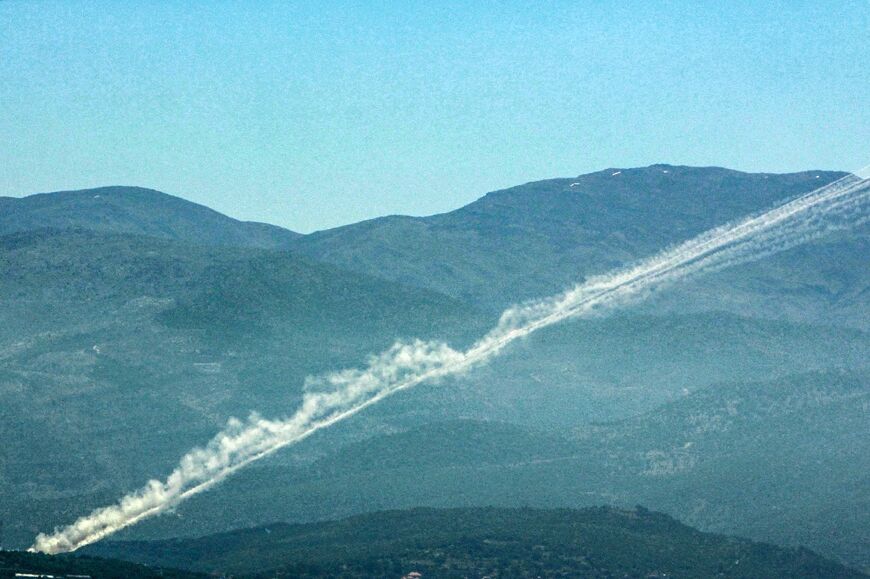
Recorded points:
(334,397)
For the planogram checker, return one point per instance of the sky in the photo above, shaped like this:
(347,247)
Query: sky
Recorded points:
(312,115)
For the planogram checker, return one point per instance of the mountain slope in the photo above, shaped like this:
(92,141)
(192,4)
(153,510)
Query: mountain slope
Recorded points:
(539,238)
(119,353)
(781,461)
(483,542)
(139,211)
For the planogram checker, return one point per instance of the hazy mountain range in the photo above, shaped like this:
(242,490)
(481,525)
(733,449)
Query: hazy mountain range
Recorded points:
(134,324)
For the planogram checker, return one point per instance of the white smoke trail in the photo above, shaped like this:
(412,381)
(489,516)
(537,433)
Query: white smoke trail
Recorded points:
(331,398)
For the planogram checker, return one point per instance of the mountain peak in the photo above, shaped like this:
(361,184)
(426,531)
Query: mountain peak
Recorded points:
(561,229)
(137,210)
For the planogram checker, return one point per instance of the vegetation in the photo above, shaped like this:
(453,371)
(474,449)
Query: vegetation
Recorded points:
(483,542)
(13,562)
(541,237)
(782,461)
(135,335)
(118,353)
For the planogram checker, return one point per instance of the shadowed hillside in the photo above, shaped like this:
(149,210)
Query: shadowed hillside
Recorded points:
(781,461)
(120,352)
(483,542)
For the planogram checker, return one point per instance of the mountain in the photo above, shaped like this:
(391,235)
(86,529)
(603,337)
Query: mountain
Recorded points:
(783,461)
(527,241)
(595,370)
(136,210)
(541,237)
(118,353)
(482,542)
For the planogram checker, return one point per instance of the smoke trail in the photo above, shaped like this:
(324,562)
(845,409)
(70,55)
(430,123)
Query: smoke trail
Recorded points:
(334,397)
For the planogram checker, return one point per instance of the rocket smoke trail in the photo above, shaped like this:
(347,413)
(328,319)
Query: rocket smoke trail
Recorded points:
(333,397)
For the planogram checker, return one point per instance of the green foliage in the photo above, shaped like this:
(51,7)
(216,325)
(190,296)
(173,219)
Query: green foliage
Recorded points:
(119,352)
(12,562)
(479,542)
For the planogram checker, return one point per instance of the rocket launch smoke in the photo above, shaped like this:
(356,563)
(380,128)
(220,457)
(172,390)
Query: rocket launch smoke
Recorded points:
(334,397)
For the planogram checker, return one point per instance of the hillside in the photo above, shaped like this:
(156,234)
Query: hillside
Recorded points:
(118,353)
(630,363)
(483,542)
(538,238)
(781,461)
(139,211)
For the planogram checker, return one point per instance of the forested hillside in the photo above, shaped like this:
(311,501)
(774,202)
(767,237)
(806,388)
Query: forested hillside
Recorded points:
(484,542)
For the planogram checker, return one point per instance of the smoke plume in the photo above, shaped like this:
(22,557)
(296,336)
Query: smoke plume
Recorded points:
(334,397)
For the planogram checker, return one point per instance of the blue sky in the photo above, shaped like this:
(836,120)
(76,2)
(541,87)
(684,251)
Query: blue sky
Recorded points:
(312,116)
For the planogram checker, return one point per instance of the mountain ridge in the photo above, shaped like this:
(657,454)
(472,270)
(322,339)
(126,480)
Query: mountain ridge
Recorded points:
(539,238)
(43,199)
(781,461)
(121,350)
(136,210)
